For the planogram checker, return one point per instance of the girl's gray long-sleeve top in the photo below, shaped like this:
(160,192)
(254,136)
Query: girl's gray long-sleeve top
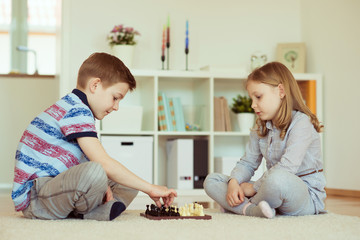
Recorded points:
(298,153)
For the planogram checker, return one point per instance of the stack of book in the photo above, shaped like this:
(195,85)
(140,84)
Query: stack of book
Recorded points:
(222,121)
(170,113)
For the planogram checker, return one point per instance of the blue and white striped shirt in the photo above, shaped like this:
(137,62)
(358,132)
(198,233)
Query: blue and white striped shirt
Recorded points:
(48,145)
(299,153)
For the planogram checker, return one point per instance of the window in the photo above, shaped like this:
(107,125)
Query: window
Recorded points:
(5,19)
(41,37)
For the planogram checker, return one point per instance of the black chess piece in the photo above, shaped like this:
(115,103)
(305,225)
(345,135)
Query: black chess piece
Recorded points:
(154,210)
(172,211)
(147,210)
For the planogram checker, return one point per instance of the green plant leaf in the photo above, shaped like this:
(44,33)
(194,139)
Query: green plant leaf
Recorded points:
(242,104)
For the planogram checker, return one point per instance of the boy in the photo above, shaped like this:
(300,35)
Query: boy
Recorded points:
(61,167)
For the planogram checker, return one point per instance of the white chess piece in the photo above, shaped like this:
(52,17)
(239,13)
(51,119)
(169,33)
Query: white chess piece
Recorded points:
(191,209)
(196,210)
(201,211)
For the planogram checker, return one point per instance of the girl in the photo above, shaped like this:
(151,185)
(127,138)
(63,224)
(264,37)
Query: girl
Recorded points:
(287,136)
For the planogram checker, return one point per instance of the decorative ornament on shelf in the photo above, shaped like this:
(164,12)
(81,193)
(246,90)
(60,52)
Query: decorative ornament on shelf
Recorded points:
(258,59)
(163,48)
(245,114)
(168,41)
(122,41)
(186,45)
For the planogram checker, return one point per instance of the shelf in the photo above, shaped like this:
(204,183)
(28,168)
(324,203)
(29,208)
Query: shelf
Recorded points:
(141,133)
(190,133)
(170,73)
(242,134)
(196,90)
(209,74)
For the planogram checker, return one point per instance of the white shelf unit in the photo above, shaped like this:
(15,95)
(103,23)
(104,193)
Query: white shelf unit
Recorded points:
(196,90)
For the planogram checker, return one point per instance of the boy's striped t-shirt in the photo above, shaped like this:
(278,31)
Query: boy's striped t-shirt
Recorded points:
(48,146)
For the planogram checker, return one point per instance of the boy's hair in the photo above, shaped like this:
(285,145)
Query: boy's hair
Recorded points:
(273,74)
(108,68)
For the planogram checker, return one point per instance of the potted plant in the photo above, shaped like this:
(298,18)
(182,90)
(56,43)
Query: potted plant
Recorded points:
(122,41)
(245,114)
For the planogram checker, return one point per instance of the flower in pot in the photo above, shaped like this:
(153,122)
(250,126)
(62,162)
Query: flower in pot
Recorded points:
(121,35)
(245,114)
(122,41)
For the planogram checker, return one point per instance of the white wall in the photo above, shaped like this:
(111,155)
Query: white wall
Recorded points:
(331,31)
(21,99)
(227,32)
(221,32)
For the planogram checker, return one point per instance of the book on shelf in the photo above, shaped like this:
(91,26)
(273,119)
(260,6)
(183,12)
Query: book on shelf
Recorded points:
(219,124)
(222,120)
(179,114)
(163,113)
(170,113)
(226,114)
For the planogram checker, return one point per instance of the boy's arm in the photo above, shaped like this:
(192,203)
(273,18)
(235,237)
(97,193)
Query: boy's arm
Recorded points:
(117,172)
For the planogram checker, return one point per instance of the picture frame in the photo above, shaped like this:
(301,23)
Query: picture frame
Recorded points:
(292,55)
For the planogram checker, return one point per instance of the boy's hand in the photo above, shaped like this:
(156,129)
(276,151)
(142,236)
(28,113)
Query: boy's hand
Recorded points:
(235,194)
(248,188)
(108,195)
(163,192)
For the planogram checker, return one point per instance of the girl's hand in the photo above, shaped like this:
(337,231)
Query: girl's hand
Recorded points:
(163,192)
(235,194)
(108,195)
(248,188)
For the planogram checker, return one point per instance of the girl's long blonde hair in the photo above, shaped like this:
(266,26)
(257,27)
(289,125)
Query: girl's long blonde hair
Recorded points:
(275,73)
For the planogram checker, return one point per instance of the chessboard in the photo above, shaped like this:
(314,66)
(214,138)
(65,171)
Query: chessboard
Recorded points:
(205,217)
(190,211)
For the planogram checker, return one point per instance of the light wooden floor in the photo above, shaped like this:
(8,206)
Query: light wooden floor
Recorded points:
(343,205)
(340,205)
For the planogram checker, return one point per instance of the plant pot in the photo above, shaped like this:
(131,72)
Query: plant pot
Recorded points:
(245,121)
(125,53)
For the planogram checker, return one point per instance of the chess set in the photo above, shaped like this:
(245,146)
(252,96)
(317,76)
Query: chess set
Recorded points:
(189,211)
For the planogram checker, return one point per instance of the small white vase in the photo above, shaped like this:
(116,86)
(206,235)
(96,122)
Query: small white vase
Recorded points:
(125,53)
(245,121)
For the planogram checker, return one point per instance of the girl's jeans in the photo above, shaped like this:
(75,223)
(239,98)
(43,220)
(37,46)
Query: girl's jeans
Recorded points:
(80,190)
(285,192)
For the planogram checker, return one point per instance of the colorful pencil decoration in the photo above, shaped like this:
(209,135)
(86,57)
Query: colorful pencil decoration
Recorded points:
(186,45)
(168,41)
(163,48)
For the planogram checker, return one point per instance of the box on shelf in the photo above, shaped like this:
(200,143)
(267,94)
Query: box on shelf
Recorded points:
(135,153)
(126,119)
(201,155)
(187,165)
(180,160)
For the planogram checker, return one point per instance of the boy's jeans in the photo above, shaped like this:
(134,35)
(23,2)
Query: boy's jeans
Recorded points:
(80,190)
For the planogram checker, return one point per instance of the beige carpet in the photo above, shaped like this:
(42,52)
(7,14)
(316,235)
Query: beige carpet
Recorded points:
(222,226)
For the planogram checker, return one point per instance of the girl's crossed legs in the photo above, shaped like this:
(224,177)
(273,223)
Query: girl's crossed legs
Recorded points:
(283,191)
